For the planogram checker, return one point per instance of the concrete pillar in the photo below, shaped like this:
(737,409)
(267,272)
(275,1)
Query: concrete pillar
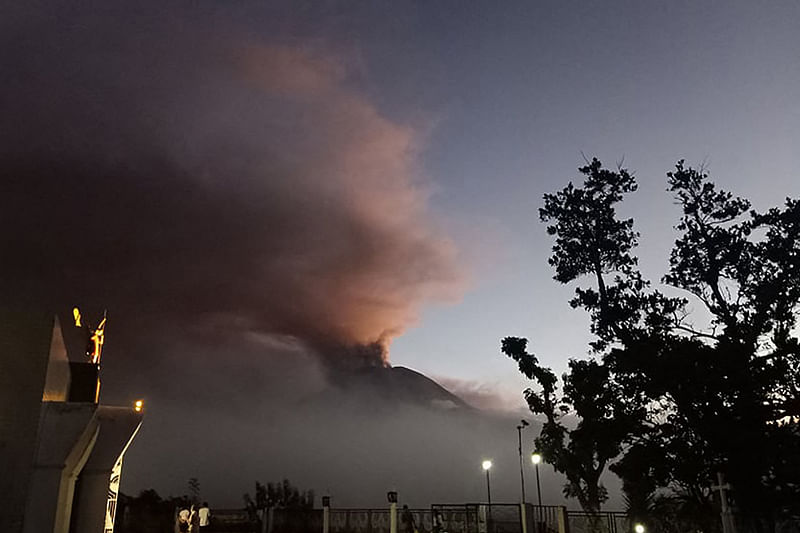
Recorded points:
(92,500)
(67,435)
(393,517)
(563,523)
(25,337)
(326,514)
(117,429)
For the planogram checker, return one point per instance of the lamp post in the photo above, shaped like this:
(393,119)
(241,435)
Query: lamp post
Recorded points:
(487,464)
(523,424)
(326,514)
(536,459)
(392,497)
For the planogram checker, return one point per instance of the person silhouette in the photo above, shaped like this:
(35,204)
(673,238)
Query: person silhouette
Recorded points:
(408,520)
(205,516)
(182,523)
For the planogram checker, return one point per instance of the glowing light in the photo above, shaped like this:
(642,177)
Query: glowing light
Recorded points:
(76,314)
(487,464)
(138,405)
(98,338)
(638,528)
(536,458)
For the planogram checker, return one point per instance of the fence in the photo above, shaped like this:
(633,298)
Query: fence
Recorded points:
(458,518)
(451,518)
(233,521)
(785,525)
(350,521)
(545,518)
(601,522)
(377,520)
(501,518)
(497,518)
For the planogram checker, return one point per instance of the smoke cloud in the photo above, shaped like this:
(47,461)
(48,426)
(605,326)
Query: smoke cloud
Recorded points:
(194,177)
(255,227)
(486,396)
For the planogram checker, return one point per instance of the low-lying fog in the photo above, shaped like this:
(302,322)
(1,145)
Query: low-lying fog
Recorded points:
(373,431)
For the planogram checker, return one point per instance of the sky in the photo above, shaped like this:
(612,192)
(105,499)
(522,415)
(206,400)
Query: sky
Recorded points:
(518,93)
(259,192)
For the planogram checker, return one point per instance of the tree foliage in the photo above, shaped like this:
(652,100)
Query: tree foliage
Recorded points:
(194,490)
(281,495)
(668,402)
(148,512)
(604,417)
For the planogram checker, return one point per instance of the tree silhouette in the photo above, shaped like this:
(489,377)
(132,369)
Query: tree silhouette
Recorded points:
(697,400)
(194,490)
(280,495)
(744,267)
(589,240)
(604,420)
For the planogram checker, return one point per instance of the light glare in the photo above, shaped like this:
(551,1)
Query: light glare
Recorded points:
(638,528)
(537,458)
(487,464)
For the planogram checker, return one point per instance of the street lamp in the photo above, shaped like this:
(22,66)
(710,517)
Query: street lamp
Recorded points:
(523,424)
(487,464)
(638,528)
(536,459)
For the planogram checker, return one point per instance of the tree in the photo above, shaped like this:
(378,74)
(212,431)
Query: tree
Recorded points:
(590,240)
(148,512)
(280,495)
(194,490)
(744,267)
(690,385)
(604,421)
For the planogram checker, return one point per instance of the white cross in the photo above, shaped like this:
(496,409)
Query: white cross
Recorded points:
(727,518)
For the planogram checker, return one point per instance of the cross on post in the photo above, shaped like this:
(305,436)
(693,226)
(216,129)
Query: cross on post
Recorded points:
(727,517)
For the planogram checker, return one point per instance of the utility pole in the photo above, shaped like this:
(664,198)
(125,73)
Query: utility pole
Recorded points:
(523,424)
(537,458)
(487,464)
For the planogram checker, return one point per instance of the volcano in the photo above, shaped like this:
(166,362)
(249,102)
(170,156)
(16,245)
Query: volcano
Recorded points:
(396,385)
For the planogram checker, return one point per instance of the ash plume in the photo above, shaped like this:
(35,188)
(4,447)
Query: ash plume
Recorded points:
(196,178)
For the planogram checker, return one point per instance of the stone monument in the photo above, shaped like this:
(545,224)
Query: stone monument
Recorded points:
(61,451)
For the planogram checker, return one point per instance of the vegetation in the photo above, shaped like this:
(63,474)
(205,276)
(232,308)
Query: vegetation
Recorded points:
(665,403)
(281,495)
(194,490)
(148,512)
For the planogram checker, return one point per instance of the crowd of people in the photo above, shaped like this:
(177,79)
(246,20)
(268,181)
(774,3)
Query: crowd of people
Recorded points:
(193,520)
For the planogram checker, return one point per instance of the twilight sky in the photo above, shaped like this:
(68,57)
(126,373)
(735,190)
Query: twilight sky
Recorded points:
(232,178)
(516,93)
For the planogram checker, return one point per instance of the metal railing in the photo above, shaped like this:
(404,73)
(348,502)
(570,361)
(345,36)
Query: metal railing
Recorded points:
(600,522)
(542,518)
(450,518)
(500,518)
(377,521)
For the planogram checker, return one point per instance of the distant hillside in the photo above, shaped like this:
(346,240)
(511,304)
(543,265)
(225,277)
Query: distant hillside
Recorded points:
(385,386)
